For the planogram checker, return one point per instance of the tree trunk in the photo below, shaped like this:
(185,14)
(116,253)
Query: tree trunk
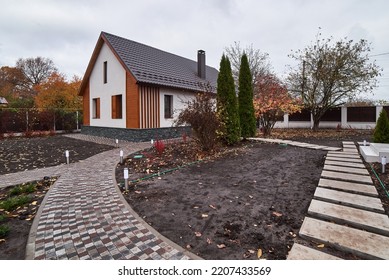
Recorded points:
(316,122)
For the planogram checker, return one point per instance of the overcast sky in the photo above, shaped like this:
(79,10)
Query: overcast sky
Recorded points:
(66,31)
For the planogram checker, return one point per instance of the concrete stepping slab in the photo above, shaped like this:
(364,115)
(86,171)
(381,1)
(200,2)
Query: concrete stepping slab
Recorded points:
(364,189)
(348,143)
(301,252)
(350,150)
(341,153)
(331,149)
(347,177)
(348,164)
(350,199)
(357,160)
(362,219)
(344,155)
(364,244)
(361,171)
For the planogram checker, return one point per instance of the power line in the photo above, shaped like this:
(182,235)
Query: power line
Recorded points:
(386,53)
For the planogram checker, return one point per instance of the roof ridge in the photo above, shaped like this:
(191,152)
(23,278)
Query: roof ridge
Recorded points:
(151,47)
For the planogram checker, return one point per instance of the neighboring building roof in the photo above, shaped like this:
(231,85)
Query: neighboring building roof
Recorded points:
(153,66)
(3,101)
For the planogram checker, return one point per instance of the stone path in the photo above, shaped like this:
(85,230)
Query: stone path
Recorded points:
(296,144)
(345,212)
(84,215)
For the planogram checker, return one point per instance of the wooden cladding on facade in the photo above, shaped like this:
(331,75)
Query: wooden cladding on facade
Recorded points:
(85,104)
(149,107)
(132,102)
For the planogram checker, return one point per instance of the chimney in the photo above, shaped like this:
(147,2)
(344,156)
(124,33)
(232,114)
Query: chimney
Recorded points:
(201,64)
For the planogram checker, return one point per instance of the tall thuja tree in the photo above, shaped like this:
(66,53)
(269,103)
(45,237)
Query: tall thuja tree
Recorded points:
(381,131)
(245,98)
(227,104)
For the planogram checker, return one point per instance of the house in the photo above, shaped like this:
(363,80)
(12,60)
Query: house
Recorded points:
(3,102)
(131,90)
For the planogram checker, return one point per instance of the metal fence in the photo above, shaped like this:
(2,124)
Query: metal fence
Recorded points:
(15,120)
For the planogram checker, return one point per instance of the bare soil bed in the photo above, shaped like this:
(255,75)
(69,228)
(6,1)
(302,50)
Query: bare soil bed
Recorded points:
(248,199)
(20,154)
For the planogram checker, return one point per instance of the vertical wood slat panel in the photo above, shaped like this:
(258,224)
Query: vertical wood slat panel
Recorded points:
(149,107)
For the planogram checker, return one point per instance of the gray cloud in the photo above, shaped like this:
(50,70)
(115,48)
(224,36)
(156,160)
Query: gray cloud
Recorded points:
(66,31)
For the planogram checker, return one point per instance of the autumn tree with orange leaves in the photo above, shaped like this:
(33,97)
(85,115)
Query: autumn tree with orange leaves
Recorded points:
(272,101)
(56,93)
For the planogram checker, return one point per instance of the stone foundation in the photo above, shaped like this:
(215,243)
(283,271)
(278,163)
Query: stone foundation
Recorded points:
(137,135)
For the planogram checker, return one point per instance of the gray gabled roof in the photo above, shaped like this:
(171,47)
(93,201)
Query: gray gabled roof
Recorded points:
(153,66)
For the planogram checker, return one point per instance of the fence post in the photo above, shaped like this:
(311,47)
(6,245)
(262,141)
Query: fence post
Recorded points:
(343,116)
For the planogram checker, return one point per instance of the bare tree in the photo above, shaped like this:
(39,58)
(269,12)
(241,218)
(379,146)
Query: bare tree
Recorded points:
(330,73)
(36,70)
(258,62)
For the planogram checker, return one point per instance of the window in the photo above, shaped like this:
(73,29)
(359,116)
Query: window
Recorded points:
(117,106)
(168,106)
(96,108)
(105,69)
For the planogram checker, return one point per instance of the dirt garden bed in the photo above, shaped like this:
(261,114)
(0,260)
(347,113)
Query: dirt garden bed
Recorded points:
(249,199)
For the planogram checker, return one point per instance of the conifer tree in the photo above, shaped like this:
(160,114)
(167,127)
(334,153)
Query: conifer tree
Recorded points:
(227,104)
(245,98)
(381,131)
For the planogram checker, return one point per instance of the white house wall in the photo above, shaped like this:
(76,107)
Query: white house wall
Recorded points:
(180,99)
(116,84)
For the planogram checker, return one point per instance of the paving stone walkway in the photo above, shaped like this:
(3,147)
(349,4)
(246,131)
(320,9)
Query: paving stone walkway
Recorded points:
(84,216)
(345,212)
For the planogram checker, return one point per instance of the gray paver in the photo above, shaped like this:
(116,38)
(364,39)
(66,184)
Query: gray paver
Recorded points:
(348,164)
(366,220)
(347,177)
(346,169)
(85,206)
(365,244)
(365,189)
(350,199)
(348,143)
(301,252)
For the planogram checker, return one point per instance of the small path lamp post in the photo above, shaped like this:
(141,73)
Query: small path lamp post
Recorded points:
(67,156)
(121,156)
(383,164)
(126,179)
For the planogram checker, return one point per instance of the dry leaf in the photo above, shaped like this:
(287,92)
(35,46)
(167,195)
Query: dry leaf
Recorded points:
(188,246)
(213,207)
(320,246)
(277,214)
(204,215)
(198,234)
(259,253)
(251,196)
(34,202)
(2,240)
(251,251)
(138,192)
(221,246)
(209,241)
